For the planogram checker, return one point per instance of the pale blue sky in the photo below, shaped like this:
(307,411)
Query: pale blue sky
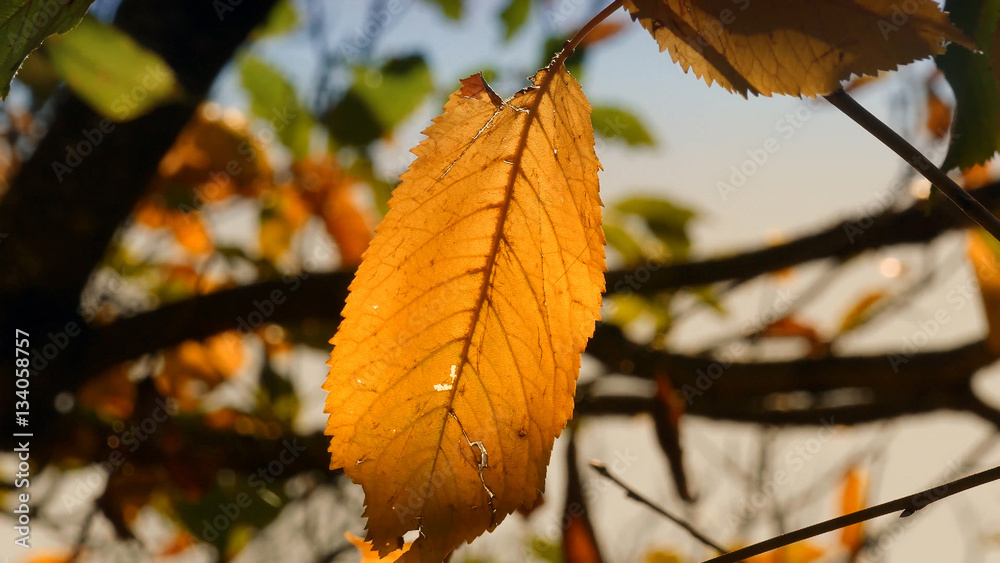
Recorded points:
(828,168)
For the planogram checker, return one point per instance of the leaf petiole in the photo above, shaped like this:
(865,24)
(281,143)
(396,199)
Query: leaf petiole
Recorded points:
(574,42)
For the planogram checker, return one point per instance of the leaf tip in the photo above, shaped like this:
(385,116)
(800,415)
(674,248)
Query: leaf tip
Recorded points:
(475,87)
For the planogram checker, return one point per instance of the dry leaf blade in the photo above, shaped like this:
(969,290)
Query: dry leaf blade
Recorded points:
(455,367)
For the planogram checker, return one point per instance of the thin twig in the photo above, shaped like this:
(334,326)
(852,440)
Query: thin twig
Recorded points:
(975,210)
(605,472)
(980,449)
(908,505)
(573,43)
(805,297)
(81,539)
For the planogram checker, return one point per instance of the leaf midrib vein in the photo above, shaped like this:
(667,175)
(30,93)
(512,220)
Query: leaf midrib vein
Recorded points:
(540,91)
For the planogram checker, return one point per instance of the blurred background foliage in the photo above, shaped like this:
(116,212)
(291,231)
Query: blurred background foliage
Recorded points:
(267,172)
(276,177)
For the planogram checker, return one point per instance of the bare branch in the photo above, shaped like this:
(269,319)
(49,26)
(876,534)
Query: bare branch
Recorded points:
(907,505)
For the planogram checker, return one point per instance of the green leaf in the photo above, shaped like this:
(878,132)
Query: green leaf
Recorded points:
(618,124)
(514,16)
(709,296)
(667,221)
(397,89)
(545,550)
(624,308)
(991,243)
(490,75)
(37,73)
(451,8)
(379,100)
(976,124)
(24,24)
(106,68)
(249,500)
(273,99)
(282,19)
(279,394)
(619,239)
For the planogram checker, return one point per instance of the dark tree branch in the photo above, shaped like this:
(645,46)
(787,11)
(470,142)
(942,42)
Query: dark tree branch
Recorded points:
(58,226)
(322,295)
(919,223)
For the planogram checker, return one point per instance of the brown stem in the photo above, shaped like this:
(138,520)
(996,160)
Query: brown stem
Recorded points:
(573,43)
(907,505)
(975,210)
(606,473)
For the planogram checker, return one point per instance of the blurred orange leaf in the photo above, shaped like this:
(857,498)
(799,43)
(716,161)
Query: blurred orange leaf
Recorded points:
(662,556)
(192,368)
(178,544)
(801,552)
(151,214)
(190,232)
(275,237)
(983,253)
(852,499)
(329,189)
(284,212)
(860,311)
(976,176)
(110,394)
(790,327)
(215,156)
(938,116)
(221,419)
(603,31)
(369,555)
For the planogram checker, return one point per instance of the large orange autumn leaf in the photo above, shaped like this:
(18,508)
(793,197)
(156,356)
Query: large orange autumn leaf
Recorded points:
(795,47)
(455,366)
